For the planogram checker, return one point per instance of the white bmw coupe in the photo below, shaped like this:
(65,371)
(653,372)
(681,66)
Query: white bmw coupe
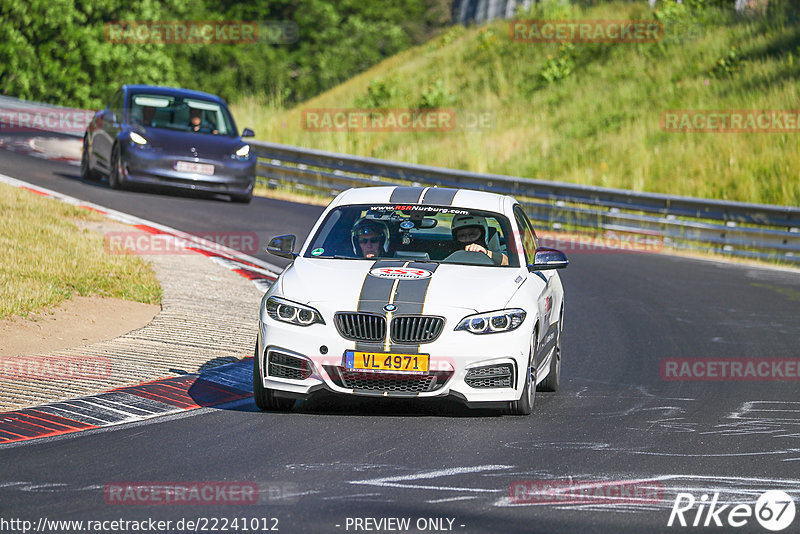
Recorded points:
(413,292)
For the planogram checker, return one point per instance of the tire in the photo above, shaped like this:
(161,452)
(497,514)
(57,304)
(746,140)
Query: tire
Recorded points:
(553,378)
(87,173)
(265,398)
(242,199)
(115,174)
(524,406)
(551,381)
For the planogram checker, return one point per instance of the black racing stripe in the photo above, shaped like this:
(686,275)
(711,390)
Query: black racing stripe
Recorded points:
(410,299)
(410,295)
(376,291)
(363,346)
(375,294)
(406,195)
(440,196)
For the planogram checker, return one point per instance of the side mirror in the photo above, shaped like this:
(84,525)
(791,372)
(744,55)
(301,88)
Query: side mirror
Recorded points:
(283,246)
(548,258)
(110,116)
(247,132)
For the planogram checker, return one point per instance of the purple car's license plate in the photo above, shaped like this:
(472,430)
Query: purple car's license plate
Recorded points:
(197,168)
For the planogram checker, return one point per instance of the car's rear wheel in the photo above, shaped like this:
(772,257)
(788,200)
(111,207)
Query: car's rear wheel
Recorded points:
(86,170)
(265,397)
(116,179)
(524,406)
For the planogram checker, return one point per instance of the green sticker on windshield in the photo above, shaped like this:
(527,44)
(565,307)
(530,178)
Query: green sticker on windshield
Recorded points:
(317,251)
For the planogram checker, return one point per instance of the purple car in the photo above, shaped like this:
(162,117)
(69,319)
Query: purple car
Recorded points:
(163,136)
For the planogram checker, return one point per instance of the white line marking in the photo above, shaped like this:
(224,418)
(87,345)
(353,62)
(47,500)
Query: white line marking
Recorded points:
(394,482)
(465,498)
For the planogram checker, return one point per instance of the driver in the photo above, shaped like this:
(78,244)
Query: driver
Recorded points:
(469,233)
(370,238)
(197,124)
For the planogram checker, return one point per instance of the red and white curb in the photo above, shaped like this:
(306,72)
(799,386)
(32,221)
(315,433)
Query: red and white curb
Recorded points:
(45,147)
(223,384)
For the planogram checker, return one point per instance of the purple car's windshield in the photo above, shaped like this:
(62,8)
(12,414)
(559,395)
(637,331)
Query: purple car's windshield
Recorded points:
(415,233)
(178,113)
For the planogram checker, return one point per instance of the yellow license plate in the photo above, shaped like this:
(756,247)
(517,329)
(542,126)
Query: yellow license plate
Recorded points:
(382,361)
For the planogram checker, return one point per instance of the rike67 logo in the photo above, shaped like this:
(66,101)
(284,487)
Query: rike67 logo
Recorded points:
(774,510)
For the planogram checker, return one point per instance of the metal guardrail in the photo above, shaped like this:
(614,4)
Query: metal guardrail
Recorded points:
(736,228)
(25,117)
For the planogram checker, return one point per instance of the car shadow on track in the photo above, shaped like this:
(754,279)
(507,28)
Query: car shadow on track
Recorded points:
(225,383)
(149,190)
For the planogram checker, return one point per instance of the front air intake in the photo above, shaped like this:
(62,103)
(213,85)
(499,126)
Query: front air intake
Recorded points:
(357,326)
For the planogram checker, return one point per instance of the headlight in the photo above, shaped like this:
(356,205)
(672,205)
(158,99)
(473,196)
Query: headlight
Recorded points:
(492,322)
(243,152)
(292,312)
(138,139)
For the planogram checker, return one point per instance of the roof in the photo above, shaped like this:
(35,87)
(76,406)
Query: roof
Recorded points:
(176,91)
(443,196)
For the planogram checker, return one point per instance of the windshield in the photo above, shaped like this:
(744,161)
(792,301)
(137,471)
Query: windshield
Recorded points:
(182,114)
(416,233)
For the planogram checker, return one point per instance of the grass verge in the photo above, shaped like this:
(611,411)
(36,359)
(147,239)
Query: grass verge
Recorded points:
(47,259)
(583,113)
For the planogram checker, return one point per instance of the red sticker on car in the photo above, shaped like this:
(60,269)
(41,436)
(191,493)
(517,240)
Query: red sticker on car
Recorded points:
(401,273)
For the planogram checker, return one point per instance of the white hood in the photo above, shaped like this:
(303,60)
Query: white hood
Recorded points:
(338,284)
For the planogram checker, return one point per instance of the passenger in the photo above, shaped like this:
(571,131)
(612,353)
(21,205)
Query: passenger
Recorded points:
(370,238)
(470,233)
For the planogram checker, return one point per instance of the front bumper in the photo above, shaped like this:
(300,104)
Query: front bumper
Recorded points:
(156,168)
(478,370)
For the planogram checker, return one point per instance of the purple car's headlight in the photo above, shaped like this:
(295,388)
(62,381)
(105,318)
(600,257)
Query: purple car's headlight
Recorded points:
(138,140)
(242,153)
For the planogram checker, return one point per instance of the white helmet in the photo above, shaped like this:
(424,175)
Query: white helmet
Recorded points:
(369,226)
(470,221)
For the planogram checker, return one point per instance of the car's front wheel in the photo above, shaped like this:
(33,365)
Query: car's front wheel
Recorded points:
(242,199)
(265,397)
(116,177)
(553,378)
(524,406)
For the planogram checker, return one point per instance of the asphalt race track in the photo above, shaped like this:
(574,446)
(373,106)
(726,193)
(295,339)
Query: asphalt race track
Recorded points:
(331,464)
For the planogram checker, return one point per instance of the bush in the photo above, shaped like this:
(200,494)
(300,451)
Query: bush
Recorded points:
(55,51)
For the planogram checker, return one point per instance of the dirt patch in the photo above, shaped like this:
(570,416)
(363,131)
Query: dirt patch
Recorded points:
(76,322)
